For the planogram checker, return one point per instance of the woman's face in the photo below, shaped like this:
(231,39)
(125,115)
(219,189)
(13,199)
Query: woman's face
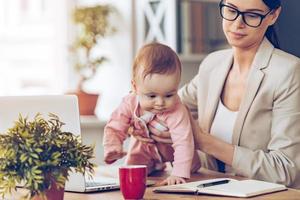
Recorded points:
(237,32)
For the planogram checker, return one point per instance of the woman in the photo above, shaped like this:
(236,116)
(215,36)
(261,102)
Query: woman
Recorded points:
(247,99)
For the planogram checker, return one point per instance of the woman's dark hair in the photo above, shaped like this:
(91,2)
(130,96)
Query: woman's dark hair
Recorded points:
(271,32)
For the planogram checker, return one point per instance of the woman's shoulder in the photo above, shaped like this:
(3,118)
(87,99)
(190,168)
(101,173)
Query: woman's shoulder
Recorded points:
(283,63)
(283,69)
(284,57)
(219,54)
(215,58)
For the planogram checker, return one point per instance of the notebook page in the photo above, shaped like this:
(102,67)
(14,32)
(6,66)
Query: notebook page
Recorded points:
(245,188)
(190,187)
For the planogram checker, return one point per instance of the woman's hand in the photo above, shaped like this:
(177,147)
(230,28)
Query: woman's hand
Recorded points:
(156,136)
(160,136)
(162,139)
(113,156)
(172,180)
(137,134)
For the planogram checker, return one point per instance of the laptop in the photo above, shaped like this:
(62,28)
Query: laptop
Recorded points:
(66,108)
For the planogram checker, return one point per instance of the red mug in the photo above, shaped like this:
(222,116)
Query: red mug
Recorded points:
(133,181)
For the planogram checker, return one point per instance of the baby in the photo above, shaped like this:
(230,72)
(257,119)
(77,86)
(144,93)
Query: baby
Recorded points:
(154,102)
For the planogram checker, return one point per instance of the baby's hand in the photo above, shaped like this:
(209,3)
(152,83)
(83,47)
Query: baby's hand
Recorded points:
(112,156)
(172,180)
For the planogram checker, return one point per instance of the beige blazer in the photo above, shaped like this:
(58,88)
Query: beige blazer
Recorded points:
(266,133)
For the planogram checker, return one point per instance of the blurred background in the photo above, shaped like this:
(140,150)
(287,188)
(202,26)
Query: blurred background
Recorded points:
(45,48)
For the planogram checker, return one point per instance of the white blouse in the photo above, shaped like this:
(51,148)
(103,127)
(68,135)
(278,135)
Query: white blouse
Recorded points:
(222,126)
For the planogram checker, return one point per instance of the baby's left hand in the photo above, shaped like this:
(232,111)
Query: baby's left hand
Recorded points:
(172,180)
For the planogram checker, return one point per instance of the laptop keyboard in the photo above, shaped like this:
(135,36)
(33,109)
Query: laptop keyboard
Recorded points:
(97,184)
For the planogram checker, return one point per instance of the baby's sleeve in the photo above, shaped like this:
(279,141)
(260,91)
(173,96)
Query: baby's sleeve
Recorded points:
(180,128)
(115,131)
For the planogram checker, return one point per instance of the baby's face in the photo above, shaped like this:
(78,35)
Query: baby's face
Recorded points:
(157,92)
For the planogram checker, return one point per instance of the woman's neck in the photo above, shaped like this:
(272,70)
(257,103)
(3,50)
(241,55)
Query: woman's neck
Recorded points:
(243,58)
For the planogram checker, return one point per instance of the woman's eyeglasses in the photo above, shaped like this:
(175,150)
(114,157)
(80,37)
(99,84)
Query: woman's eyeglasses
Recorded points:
(252,19)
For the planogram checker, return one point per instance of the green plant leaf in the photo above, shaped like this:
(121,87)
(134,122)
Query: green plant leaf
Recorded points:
(37,151)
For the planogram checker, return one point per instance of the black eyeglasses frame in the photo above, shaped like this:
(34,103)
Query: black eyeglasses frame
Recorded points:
(262,17)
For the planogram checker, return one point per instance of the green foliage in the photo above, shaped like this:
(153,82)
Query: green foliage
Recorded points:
(37,152)
(93,25)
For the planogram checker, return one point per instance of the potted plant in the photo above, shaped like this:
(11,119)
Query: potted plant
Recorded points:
(40,155)
(92,26)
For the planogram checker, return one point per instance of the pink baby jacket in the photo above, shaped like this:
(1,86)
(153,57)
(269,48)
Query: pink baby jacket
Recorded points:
(176,121)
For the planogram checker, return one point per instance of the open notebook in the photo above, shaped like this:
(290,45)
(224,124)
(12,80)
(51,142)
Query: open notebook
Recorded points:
(224,187)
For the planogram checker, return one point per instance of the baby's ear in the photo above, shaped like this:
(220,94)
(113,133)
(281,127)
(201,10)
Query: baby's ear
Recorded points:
(133,86)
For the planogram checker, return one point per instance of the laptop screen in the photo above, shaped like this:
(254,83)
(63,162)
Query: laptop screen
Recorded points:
(64,106)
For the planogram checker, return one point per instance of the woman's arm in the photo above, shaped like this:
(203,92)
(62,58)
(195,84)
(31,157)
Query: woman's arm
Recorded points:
(281,162)
(212,145)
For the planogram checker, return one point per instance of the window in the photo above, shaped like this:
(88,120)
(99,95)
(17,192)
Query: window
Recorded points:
(33,47)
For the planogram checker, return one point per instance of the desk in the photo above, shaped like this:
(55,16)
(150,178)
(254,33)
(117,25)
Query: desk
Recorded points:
(204,174)
(149,195)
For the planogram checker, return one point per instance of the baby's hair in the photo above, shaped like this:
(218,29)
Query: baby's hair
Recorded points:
(156,58)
